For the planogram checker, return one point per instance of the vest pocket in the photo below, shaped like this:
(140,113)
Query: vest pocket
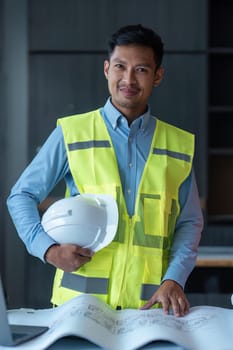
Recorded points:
(152,211)
(100,264)
(92,277)
(156,216)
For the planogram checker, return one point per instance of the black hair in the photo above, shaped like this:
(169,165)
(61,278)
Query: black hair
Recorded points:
(137,35)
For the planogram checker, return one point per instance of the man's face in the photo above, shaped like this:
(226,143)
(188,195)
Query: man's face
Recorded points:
(131,74)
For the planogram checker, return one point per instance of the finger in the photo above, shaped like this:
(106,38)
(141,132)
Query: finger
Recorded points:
(83,251)
(77,263)
(176,307)
(180,306)
(152,301)
(184,306)
(147,306)
(165,304)
(81,260)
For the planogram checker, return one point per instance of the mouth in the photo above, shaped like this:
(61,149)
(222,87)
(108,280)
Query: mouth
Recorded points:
(128,91)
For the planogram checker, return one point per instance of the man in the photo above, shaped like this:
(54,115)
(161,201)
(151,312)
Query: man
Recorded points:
(146,164)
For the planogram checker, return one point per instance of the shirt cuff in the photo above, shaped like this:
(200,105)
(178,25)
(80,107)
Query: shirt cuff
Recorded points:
(41,243)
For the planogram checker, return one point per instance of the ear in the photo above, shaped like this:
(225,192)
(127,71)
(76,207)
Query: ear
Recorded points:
(106,68)
(158,76)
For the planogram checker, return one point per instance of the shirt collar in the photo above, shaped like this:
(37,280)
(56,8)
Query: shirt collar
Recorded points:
(114,116)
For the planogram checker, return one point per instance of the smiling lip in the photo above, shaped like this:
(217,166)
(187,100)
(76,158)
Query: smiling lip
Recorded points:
(128,92)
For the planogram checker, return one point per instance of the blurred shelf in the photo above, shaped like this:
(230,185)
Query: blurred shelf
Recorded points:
(215,256)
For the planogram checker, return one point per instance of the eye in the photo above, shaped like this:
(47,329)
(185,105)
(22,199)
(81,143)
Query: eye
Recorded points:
(119,66)
(142,70)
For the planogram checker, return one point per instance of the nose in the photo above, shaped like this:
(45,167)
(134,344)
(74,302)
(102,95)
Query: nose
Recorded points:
(129,76)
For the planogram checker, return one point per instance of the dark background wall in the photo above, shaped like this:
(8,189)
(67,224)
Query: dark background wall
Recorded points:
(51,64)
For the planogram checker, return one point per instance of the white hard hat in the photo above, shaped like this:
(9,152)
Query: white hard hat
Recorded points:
(88,220)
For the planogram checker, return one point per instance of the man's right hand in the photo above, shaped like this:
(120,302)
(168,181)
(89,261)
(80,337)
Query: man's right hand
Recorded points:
(68,257)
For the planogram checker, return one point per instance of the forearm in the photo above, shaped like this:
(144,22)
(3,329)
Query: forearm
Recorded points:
(35,183)
(181,264)
(25,215)
(184,251)
(187,236)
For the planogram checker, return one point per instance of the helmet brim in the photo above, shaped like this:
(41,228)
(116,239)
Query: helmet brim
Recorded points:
(112,218)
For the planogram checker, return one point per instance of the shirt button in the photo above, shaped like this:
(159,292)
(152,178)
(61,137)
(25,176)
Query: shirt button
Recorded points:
(129,190)
(130,165)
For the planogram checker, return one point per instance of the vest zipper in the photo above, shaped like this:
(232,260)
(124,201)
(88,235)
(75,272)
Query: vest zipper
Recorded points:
(128,243)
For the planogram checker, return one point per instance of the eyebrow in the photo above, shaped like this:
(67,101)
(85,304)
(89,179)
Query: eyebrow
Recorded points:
(118,60)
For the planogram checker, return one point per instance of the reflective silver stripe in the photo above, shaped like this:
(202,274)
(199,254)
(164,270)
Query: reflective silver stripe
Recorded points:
(85,284)
(178,155)
(154,241)
(148,290)
(89,144)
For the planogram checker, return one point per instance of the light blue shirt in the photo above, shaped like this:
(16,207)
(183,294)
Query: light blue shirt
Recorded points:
(131,146)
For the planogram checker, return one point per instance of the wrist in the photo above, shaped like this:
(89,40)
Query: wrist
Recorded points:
(49,254)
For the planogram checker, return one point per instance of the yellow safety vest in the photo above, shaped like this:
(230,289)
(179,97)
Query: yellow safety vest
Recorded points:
(129,270)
